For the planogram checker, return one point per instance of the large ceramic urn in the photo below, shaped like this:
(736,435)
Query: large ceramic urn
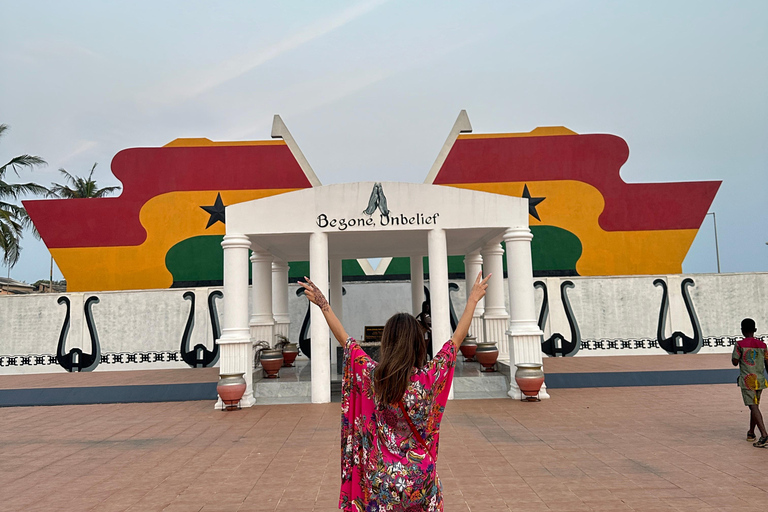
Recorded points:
(290,352)
(271,361)
(230,388)
(529,378)
(487,354)
(468,348)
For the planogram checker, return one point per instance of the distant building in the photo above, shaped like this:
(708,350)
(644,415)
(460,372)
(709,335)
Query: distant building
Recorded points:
(12,287)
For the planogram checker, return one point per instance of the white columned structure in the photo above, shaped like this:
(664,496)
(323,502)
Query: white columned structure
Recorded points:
(262,323)
(473,265)
(321,357)
(438,288)
(524,333)
(419,222)
(280,297)
(235,344)
(417,283)
(495,316)
(336,298)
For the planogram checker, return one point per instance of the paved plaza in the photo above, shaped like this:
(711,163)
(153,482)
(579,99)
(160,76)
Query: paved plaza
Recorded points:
(630,448)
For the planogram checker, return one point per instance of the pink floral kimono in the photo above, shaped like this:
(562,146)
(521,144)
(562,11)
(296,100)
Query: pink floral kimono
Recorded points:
(383,466)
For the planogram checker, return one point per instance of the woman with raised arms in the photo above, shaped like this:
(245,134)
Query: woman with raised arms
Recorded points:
(391,411)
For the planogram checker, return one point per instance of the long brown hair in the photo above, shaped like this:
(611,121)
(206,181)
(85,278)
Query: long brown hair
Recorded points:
(402,348)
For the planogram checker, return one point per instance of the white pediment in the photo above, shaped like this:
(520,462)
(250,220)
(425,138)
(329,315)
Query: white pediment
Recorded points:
(368,219)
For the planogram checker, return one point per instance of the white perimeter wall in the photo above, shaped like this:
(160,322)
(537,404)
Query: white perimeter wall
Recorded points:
(144,329)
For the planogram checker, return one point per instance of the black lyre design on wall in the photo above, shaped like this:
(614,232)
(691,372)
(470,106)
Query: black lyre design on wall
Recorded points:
(452,287)
(678,343)
(556,345)
(200,356)
(305,341)
(76,360)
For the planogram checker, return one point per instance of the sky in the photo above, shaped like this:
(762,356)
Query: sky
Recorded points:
(370,89)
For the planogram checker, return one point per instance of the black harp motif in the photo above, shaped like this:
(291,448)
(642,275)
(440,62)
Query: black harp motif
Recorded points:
(678,343)
(556,345)
(77,360)
(200,356)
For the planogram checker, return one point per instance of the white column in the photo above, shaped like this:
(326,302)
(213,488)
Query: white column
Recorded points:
(321,357)
(280,297)
(495,315)
(336,297)
(235,342)
(524,333)
(417,283)
(438,288)
(473,265)
(438,291)
(262,323)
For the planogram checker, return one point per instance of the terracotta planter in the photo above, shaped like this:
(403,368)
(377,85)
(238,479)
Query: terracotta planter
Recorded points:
(290,352)
(271,361)
(468,348)
(529,378)
(487,354)
(231,388)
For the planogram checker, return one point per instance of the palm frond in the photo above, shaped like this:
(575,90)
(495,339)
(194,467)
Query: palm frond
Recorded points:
(76,187)
(20,162)
(16,190)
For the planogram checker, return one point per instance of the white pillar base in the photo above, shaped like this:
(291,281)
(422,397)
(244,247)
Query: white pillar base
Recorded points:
(236,349)
(525,347)
(477,328)
(263,331)
(496,332)
(282,328)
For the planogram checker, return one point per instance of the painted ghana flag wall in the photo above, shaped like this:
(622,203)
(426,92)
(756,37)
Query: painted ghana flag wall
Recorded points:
(585,219)
(166,227)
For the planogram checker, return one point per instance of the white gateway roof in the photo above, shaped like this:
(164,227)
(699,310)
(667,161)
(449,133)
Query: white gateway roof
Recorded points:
(370,220)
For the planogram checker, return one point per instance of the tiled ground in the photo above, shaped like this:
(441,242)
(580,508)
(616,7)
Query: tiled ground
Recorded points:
(650,448)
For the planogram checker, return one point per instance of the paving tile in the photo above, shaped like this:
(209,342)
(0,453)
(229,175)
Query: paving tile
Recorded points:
(650,448)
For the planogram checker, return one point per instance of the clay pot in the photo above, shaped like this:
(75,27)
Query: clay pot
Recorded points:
(230,388)
(487,354)
(271,361)
(290,352)
(529,378)
(468,348)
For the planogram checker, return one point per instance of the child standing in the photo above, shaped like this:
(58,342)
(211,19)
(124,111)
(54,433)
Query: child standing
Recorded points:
(750,355)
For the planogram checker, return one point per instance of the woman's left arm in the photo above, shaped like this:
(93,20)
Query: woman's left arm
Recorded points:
(474,296)
(316,297)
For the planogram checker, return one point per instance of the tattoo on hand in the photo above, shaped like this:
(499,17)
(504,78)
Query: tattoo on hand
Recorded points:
(320,300)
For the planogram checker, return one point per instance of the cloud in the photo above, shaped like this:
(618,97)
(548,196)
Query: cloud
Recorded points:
(82,147)
(179,91)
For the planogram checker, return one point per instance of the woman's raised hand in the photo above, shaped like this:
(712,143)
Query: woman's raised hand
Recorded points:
(479,288)
(314,294)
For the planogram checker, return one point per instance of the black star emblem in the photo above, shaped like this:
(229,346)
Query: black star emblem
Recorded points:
(532,202)
(216,211)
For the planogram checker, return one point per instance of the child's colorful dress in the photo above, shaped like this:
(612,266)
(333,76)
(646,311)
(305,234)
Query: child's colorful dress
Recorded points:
(752,355)
(383,467)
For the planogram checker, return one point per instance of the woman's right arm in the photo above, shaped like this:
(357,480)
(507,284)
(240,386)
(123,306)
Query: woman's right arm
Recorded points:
(317,298)
(477,293)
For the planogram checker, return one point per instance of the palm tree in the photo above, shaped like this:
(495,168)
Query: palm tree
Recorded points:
(81,187)
(14,218)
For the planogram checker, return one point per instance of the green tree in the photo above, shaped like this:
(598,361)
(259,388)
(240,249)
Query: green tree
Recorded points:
(14,218)
(80,188)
